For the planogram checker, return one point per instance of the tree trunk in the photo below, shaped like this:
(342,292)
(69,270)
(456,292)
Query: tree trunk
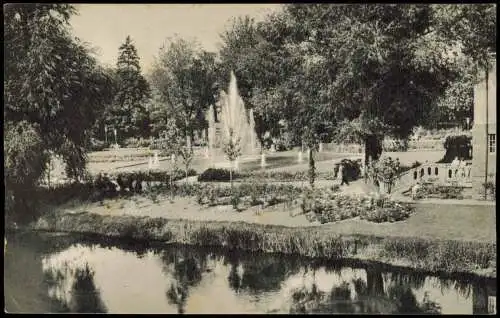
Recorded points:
(171,184)
(49,170)
(373,150)
(312,168)
(231,178)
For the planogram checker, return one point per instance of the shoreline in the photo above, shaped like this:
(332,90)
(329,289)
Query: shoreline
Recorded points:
(439,256)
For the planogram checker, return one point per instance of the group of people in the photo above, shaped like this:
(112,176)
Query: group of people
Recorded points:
(458,167)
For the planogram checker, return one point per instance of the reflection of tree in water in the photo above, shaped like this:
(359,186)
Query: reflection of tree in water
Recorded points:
(82,296)
(234,277)
(263,273)
(85,296)
(25,286)
(187,265)
(400,290)
(462,287)
(369,296)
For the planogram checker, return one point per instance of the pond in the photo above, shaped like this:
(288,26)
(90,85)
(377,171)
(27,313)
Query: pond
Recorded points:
(48,272)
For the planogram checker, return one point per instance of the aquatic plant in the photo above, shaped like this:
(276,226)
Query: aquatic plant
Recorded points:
(432,255)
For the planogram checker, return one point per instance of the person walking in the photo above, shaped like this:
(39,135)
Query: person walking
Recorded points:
(462,165)
(415,189)
(343,174)
(454,166)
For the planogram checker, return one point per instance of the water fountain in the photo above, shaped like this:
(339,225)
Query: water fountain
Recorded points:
(234,119)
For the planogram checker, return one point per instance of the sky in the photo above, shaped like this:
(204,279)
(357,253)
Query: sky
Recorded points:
(105,26)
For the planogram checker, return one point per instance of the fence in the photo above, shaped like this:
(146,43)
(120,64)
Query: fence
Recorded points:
(439,173)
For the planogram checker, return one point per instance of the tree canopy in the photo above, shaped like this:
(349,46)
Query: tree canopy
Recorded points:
(183,76)
(129,114)
(53,92)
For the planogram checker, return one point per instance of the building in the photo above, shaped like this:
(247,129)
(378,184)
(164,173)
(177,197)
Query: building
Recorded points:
(484,136)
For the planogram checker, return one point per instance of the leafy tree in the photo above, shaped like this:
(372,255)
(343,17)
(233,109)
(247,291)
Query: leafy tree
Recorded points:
(160,113)
(129,114)
(387,63)
(54,89)
(184,77)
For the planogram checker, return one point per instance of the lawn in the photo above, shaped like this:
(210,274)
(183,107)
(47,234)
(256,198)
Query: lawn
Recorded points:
(129,159)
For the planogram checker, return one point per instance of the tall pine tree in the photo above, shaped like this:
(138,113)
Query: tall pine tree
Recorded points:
(129,115)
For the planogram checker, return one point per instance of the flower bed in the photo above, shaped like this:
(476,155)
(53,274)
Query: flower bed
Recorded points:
(432,191)
(330,206)
(240,196)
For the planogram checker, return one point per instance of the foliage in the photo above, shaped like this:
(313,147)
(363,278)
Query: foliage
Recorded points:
(328,205)
(431,255)
(152,175)
(232,150)
(137,142)
(128,115)
(457,146)
(352,169)
(183,78)
(215,174)
(440,192)
(490,188)
(52,84)
(384,170)
(25,157)
(356,72)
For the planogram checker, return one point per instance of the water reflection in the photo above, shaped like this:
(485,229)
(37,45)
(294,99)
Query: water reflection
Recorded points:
(86,276)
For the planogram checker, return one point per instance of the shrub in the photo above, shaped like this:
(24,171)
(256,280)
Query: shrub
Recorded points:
(152,175)
(384,170)
(216,174)
(457,146)
(327,205)
(490,189)
(235,199)
(440,192)
(352,168)
(394,145)
(25,160)
(137,143)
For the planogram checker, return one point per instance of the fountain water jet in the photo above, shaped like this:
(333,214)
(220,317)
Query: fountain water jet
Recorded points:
(236,122)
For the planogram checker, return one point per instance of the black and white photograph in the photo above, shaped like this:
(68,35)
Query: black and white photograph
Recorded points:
(272,158)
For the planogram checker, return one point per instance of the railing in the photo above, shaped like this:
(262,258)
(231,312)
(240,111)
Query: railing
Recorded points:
(439,173)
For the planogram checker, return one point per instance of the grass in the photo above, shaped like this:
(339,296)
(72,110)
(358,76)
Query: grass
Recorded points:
(446,256)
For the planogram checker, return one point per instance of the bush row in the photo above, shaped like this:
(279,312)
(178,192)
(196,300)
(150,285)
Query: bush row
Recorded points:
(153,175)
(328,205)
(434,191)
(353,170)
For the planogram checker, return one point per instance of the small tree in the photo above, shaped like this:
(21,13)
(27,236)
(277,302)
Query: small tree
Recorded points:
(384,170)
(186,153)
(233,151)
(175,144)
